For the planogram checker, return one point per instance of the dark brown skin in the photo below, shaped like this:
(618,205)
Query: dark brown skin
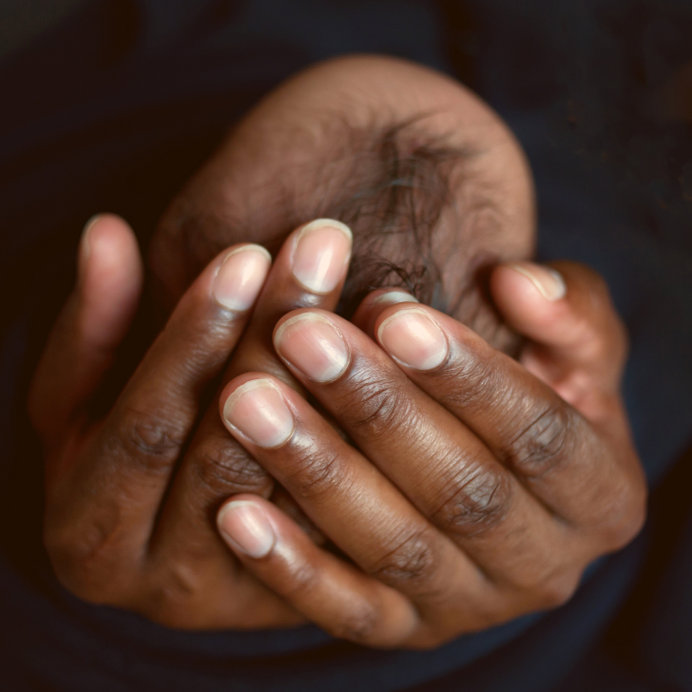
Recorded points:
(476,491)
(477,494)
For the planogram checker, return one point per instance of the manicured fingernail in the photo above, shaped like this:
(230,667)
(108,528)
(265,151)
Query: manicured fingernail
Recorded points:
(241,276)
(246,528)
(312,344)
(412,337)
(321,255)
(548,282)
(257,409)
(393,297)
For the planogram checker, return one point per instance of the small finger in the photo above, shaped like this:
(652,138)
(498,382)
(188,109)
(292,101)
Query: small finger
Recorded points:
(116,484)
(577,341)
(326,590)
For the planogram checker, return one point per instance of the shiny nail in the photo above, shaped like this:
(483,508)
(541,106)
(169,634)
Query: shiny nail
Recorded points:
(241,276)
(321,255)
(413,339)
(548,282)
(312,344)
(258,411)
(246,528)
(85,244)
(393,297)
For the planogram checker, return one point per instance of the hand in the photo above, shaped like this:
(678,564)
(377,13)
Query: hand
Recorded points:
(479,488)
(131,497)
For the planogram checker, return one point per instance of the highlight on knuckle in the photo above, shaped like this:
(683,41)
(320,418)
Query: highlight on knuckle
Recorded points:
(477,501)
(557,590)
(626,517)
(410,565)
(82,559)
(358,623)
(172,598)
(300,581)
(544,443)
(148,440)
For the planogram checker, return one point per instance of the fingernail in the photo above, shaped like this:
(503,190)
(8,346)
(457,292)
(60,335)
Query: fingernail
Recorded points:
(321,255)
(240,277)
(393,297)
(413,339)
(246,528)
(85,244)
(258,411)
(312,344)
(549,282)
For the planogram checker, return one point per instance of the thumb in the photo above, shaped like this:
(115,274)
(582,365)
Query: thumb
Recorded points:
(577,342)
(90,327)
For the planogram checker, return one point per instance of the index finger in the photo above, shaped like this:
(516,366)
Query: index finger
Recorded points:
(105,497)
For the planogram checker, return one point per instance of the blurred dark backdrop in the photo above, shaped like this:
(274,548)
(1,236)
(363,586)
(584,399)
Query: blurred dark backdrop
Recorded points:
(111,105)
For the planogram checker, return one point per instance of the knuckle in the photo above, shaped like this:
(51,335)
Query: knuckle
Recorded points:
(546,586)
(478,371)
(476,499)
(172,598)
(479,499)
(410,565)
(300,581)
(82,559)
(557,590)
(544,443)
(627,517)
(379,408)
(358,623)
(149,440)
(223,468)
(316,474)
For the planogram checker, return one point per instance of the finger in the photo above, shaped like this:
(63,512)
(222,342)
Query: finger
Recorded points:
(113,492)
(578,342)
(329,592)
(356,506)
(309,270)
(555,452)
(436,460)
(90,328)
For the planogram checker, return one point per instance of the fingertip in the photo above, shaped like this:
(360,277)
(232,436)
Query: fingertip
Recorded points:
(110,278)
(530,278)
(108,246)
(245,526)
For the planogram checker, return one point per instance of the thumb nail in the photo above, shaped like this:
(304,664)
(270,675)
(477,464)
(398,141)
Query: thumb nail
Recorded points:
(548,282)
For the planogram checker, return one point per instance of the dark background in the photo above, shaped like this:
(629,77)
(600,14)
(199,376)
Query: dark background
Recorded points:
(112,105)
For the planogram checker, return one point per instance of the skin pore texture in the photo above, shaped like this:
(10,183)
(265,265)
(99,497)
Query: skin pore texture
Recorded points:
(433,185)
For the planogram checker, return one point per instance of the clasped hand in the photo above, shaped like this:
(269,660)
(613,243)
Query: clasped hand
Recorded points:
(457,487)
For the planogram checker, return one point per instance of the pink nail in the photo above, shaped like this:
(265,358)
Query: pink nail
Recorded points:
(241,276)
(311,343)
(321,255)
(414,339)
(548,282)
(246,528)
(257,409)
